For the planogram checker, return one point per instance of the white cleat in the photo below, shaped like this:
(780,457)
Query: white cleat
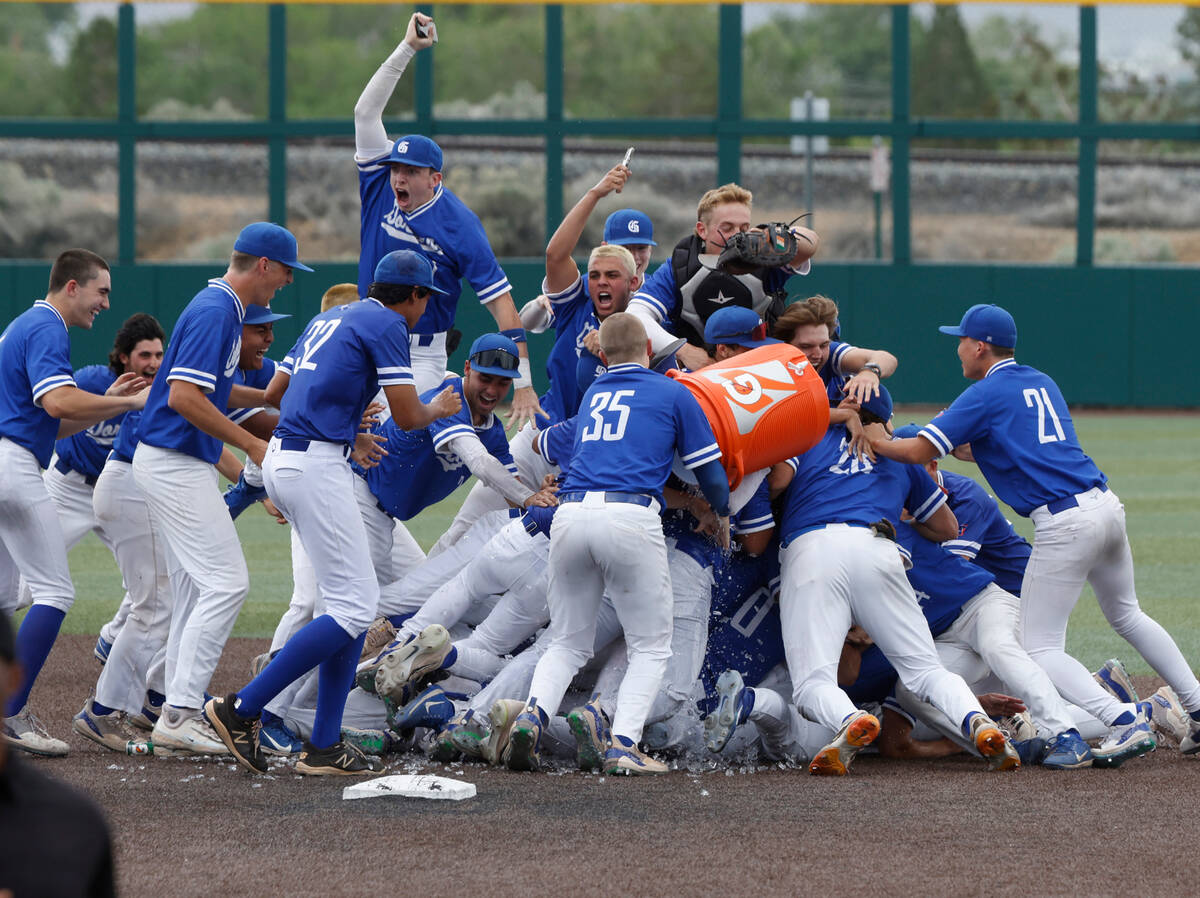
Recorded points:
(25,732)
(411,660)
(180,731)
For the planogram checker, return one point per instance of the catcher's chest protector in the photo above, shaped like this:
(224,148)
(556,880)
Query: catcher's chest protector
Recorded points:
(703,290)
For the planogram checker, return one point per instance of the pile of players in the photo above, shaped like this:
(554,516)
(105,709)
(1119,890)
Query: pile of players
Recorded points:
(855,594)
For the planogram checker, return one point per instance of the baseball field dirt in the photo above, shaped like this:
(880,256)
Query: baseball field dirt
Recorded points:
(203,827)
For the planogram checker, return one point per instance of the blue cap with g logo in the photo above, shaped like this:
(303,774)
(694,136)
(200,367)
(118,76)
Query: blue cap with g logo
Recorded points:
(629,226)
(417,150)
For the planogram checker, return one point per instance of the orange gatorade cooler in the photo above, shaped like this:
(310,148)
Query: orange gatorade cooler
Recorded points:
(764,405)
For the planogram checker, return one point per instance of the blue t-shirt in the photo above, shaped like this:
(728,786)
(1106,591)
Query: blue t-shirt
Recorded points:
(832,486)
(255,378)
(943,581)
(87,450)
(1021,435)
(574,318)
(35,358)
(421,468)
(443,230)
(984,535)
(631,422)
(204,350)
(337,366)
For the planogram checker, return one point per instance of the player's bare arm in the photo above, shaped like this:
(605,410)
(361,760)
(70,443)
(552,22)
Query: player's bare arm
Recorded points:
(273,394)
(939,526)
(807,243)
(242,396)
(914,450)
(561,270)
(525,405)
(229,465)
(779,479)
(80,409)
(871,366)
(411,414)
(188,400)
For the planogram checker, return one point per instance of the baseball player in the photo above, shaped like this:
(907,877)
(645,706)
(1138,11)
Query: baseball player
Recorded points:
(1020,433)
(607,539)
(182,436)
(848,371)
(406,206)
(840,566)
(682,293)
(78,459)
(322,389)
(39,402)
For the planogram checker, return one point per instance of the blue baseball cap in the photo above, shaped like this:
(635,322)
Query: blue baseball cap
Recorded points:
(417,150)
(907,431)
(988,323)
(261,315)
(269,241)
(404,266)
(880,405)
(494,354)
(629,226)
(736,326)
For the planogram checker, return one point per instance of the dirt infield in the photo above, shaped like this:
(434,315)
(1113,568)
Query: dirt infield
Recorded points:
(189,827)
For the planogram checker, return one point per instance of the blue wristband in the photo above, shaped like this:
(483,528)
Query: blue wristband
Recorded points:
(516,334)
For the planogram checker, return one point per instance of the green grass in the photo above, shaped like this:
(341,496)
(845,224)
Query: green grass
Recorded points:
(1152,462)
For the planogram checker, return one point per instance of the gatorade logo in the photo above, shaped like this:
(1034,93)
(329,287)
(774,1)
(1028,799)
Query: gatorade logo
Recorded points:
(752,390)
(634,227)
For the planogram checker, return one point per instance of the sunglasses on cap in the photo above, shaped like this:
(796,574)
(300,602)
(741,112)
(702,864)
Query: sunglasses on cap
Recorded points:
(495,358)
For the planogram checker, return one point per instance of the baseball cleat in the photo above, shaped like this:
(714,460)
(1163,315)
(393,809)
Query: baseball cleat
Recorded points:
(433,708)
(1191,742)
(146,718)
(1067,751)
(1116,681)
(379,635)
(276,738)
(109,730)
(592,731)
(521,753)
(240,734)
(340,759)
(260,662)
(369,742)
(1167,717)
(467,734)
(102,649)
(733,709)
(1018,727)
(1125,741)
(181,731)
(624,757)
(25,732)
(409,660)
(989,741)
(859,730)
(503,715)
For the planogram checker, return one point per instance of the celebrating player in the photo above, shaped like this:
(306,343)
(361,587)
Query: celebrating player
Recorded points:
(39,402)
(406,206)
(1021,435)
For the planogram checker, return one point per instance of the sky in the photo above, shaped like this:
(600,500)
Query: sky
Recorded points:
(1140,37)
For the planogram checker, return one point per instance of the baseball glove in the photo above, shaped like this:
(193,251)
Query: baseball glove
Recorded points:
(769,245)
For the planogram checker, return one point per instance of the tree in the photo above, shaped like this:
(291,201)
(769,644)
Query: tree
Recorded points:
(947,81)
(90,73)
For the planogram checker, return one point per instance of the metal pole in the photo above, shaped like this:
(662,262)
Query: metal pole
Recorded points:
(808,161)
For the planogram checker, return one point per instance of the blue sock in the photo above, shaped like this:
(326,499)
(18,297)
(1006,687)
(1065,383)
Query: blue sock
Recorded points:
(1125,718)
(36,637)
(100,709)
(317,640)
(966,724)
(268,718)
(450,658)
(155,698)
(397,620)
(334,682)
(1195,715)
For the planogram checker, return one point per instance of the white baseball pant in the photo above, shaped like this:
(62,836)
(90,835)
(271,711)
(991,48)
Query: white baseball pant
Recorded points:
(841,575)
(203,559)
(31,538)
(121,510)
(614,549)
(1089,543)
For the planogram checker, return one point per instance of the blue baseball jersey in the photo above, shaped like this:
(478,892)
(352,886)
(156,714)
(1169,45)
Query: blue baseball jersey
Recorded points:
(984,535)
(127,438)
(1021,435)
(832,486)
(443,230)
(204,350)
(660,292)
(421,467)
(943,581)
(556,443)
(574,318)
(832,374)
(631,422)
(256,378)
(754,517)
(87,450)
(744,632)
(35,358)
(337,366)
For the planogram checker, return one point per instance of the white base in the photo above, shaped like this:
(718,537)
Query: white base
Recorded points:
(408,785)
